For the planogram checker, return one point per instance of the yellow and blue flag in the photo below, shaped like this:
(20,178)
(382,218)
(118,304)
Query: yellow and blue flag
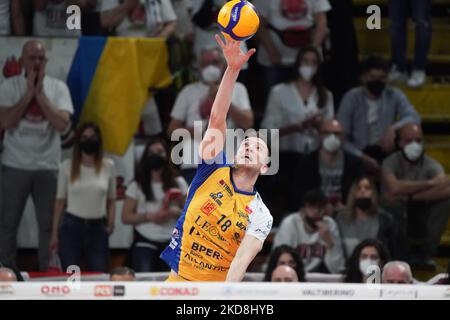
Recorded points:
(109,81)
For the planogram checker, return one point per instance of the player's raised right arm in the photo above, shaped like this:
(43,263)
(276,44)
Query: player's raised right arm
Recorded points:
(213,140)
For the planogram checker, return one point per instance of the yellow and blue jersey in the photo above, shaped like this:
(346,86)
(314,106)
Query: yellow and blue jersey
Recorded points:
(215,219)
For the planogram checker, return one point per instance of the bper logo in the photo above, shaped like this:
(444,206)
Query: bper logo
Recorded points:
(209,252)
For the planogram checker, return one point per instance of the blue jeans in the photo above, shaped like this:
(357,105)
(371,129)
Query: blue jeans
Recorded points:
(145,255)
(421,14)
(83,238)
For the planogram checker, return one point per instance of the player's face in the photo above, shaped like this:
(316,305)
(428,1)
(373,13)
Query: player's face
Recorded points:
(253,154)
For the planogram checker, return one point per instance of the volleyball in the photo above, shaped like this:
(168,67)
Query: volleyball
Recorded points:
(238,19)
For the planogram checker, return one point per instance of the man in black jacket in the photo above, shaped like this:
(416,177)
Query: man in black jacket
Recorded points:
(330,169)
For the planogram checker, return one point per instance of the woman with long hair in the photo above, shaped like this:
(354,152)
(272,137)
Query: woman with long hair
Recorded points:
(362,218)
(154,201)
(367,256)
(285,255)
(85,204)
(297,108)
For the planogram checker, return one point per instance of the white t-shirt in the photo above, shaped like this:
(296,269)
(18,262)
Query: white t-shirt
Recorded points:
(261,220)
(4,18)
(52,21)
(33,144)
(154,14)
(285,106)
(187,109)
(87,196)
(154,231)
(273,12)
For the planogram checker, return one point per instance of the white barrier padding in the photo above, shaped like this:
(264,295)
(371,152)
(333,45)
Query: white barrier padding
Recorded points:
(218,291)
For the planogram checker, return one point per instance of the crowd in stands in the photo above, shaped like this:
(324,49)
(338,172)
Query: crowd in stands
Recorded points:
(356,190)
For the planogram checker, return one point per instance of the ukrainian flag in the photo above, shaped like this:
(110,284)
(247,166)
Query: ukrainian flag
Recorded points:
(109,81)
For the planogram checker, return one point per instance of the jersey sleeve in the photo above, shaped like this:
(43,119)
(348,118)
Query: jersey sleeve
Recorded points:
(260,219)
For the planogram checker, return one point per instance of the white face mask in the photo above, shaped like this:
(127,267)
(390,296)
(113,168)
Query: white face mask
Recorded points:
(365,264)
(413,151)
(211,73)
(307,72)
(331,143)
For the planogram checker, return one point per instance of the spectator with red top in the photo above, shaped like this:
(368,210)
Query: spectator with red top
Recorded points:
(152,205)
(34,110)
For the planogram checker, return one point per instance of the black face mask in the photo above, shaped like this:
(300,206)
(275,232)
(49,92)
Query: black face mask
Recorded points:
(155,161)
(363,203)
(90,146)
(375,87)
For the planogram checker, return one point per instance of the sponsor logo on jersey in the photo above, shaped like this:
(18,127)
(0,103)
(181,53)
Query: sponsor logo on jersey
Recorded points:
(208,207)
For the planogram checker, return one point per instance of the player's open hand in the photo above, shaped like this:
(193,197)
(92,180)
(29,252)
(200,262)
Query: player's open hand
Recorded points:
(233,54)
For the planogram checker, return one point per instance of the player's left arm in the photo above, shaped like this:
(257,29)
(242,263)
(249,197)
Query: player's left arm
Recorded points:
(249,248)
(214,138)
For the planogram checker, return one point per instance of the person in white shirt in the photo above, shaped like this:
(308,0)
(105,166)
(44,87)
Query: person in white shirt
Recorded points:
(34,109)
(314,235)
(195,101)
(297,108)
(85,204)
(153,204)
(286,27)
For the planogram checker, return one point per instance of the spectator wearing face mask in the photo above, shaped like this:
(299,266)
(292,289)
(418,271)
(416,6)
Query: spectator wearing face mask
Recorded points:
(397,272)
(284,273)
(286,27)
(85,204)
(330,169)
(194,103)
(153,204)
(365,258)
(371,113)
(297,108)
(314,235)
(417,193)
(362,218)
